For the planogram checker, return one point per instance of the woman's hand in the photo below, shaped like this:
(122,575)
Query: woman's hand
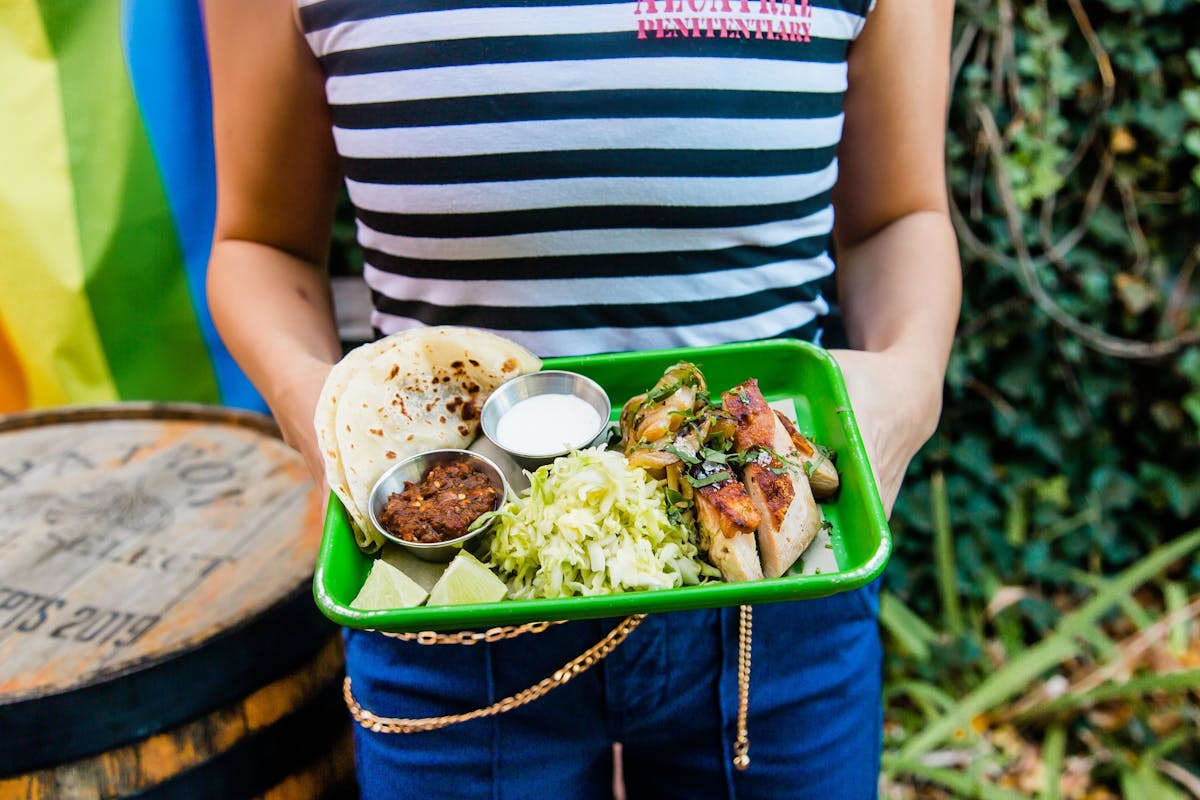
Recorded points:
(294,407)
(896,402)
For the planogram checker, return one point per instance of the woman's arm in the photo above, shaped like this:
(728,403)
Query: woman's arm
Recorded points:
(277,176)
(899,281)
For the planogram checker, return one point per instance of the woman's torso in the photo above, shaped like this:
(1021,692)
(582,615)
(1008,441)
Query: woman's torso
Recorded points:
(591,177)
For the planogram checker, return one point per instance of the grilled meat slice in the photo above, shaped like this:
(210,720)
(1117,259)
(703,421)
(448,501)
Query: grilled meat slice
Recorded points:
(755,419)
(789,515)
(727,520)
(728,507)
(736,557)
(822,475)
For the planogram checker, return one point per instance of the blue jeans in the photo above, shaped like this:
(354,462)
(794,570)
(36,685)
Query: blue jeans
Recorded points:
(668,693)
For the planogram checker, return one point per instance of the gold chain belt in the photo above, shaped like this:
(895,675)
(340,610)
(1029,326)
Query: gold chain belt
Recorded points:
(576,666)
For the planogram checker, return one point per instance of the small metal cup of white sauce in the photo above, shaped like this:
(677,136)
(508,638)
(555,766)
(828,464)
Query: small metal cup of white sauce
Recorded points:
(543,415)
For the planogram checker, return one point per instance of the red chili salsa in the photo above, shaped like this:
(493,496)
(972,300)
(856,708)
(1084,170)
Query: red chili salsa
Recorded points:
(441,506)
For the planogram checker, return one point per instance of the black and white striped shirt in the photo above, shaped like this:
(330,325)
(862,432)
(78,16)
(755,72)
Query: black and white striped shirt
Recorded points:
(591,176)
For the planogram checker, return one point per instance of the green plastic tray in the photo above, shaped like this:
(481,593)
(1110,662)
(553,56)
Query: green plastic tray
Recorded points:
(786,369)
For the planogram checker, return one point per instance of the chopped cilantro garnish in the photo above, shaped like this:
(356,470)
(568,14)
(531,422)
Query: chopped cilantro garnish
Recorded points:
(683,456)
(660,393)
(708,480)
(823,454)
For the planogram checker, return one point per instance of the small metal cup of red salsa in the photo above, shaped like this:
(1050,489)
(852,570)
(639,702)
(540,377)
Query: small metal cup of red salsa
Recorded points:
(427,502)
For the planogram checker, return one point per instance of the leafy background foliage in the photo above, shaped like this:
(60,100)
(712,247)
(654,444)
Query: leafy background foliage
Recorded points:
(1070,445)
(1041,604)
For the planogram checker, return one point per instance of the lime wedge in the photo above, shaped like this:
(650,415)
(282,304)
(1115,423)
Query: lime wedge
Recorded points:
(388,587)
(425,573)
(466,580)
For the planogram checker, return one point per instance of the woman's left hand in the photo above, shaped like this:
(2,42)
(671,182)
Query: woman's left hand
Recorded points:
(896,403)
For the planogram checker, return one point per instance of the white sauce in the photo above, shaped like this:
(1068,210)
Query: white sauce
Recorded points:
(546,424)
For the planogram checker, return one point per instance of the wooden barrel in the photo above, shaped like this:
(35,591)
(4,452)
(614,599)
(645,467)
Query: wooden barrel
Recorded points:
(158,636)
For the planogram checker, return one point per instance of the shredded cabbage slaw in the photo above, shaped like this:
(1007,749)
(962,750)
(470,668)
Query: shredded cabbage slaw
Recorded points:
(590,524)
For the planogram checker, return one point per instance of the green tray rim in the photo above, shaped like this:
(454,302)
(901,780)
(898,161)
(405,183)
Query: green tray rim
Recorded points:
(508,612)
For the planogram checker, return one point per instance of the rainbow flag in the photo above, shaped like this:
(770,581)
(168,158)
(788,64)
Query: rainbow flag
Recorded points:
(106,207)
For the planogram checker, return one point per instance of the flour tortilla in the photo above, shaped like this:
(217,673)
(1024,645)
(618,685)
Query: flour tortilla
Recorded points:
(413,391)
(325,420)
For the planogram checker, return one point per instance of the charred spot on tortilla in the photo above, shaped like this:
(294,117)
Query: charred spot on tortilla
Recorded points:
(375,431)
(509,365)
(394,372)
(390,454)
(464,430)
(457,364)
(470,411)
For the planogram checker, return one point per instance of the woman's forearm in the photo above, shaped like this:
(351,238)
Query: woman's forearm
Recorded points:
(900,291)
(273,311)
(901,288)
(277,175)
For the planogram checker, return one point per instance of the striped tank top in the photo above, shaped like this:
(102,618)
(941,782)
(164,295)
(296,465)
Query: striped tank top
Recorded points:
(589,177)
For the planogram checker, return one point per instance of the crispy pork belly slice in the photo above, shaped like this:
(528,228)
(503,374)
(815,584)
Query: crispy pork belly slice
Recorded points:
(727,521)
(755,419)
(822,475)
(789,515)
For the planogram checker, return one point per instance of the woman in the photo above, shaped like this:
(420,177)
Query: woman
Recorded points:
(589,178)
